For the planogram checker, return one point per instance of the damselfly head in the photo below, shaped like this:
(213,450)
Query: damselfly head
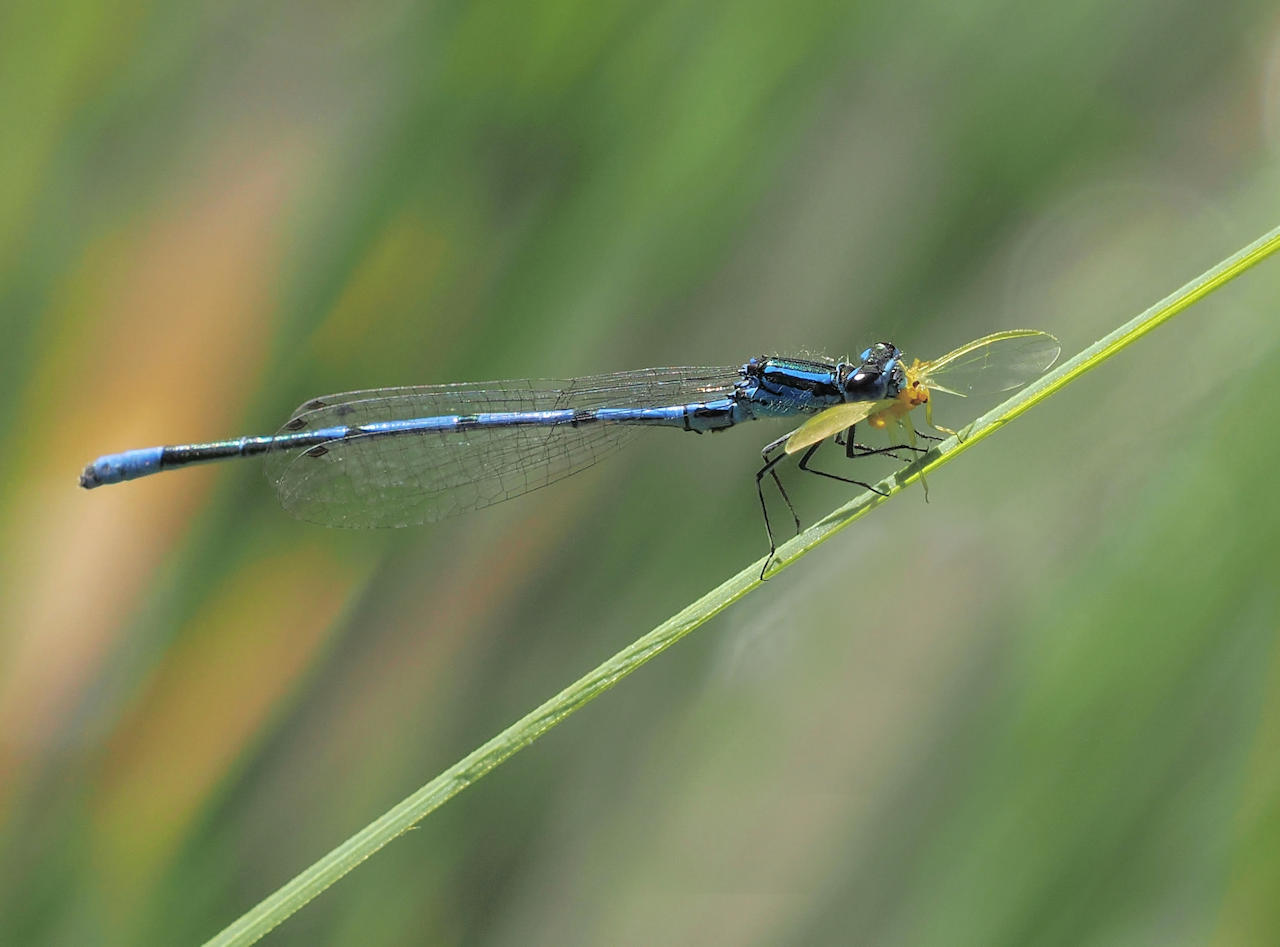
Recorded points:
(878,376)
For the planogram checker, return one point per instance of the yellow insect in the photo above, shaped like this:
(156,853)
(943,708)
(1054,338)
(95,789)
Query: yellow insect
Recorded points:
(999,362)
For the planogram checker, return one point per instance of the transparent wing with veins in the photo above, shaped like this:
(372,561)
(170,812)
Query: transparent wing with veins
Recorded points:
(1000,362)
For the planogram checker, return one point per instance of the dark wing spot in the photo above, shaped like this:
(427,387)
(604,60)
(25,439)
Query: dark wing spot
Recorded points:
(318,451)
(295,424)
(314,404)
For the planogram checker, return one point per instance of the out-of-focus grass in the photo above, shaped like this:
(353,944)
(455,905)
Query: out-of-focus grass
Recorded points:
(940,729)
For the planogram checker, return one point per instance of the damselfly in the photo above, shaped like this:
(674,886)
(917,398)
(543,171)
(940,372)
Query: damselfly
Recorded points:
(405,456)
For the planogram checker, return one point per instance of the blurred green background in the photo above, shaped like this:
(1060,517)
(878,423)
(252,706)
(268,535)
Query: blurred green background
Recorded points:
(1043,708)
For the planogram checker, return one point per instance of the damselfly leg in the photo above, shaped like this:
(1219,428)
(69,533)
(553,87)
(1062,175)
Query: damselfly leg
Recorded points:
(769,464)
(852,450)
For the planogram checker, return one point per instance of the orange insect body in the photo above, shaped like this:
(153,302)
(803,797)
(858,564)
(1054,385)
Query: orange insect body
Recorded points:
(912,395)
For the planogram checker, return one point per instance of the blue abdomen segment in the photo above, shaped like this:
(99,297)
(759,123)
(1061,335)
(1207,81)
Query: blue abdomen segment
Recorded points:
(117,468)
(132,464)
(700,416)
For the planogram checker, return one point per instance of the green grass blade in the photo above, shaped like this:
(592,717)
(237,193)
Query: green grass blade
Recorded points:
(289,898)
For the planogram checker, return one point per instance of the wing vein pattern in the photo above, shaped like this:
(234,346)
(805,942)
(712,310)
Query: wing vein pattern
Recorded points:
(376,480)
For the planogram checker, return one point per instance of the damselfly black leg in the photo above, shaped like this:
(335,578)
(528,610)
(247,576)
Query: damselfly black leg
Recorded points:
(853,449)
(813,449)
(862,450)
(768,468)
